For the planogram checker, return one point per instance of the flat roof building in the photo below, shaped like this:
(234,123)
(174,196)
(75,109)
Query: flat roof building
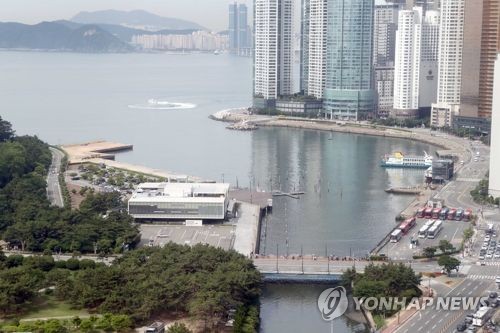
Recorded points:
(179,201)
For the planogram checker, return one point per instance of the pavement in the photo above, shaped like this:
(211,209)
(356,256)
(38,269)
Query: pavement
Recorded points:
(452,231)
(247,228)
(54,192)
(432,319)
(217,235)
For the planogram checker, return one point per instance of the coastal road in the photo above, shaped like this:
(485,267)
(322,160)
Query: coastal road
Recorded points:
(440,320)
(54,192)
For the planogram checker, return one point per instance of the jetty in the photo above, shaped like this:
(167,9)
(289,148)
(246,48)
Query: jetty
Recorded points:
(80,153)
(242,126)
(293,195)
(103,153)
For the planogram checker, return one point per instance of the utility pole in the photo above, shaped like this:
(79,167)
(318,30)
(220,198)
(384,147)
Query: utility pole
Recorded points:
(277,270)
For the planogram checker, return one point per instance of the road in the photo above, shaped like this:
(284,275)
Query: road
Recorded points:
(323,266)
(53,187)
(432,319)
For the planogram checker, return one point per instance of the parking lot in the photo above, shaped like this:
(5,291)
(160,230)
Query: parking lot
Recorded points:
(452,231)
(220,235)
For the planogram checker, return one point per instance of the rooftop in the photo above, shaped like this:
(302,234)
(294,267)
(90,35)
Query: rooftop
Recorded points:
(180,191)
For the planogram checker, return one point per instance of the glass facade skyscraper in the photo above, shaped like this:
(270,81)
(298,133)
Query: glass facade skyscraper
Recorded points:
(349,92)
(238,29)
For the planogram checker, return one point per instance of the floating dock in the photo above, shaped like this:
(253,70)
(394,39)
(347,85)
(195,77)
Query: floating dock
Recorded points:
(404,190)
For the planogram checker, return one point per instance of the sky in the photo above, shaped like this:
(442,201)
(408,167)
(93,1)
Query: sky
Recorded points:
(212,14)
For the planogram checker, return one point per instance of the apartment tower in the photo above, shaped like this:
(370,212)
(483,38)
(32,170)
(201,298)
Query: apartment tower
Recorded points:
(273,58)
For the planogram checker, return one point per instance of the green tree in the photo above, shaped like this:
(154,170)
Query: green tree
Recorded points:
(449,263)
(54,326)
(349,276)
(430,251)
(121,323)
(6,132)
(445,246)
(87,325)
(178,328)
(467,234)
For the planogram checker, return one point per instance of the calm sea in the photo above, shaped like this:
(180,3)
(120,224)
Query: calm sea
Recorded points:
(70,98)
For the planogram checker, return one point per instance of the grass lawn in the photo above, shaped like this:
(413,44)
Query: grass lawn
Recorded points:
(47,306)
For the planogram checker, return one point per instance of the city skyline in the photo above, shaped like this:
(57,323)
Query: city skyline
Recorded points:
(211,14)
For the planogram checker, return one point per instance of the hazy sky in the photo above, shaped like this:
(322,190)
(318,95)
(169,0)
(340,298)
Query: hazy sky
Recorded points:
(212,14)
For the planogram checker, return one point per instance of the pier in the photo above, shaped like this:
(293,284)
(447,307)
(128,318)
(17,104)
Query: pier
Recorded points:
(80,153)
(103,152)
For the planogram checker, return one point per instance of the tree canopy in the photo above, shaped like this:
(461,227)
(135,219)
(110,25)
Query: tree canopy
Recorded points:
(386,280)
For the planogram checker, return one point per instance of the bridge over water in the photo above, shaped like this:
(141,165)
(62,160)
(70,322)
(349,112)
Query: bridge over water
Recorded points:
(319,270)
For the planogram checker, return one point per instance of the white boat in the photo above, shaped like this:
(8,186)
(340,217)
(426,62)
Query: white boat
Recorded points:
(399,160)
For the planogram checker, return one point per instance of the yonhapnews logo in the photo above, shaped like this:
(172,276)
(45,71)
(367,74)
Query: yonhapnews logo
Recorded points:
(332,303)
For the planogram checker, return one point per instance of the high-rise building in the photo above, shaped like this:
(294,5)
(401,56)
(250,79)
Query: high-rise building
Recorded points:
(489,46)
(238,30)
(429,50)
(407,67)
(313,57)
(349,92)
(451,35)
(233,26)
(273,54)
(471,59)
(494,181)
(385,26)
(304,45)
(384,42)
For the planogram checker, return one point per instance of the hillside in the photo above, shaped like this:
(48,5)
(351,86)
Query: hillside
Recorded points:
(125,33)
(56,36)
(137,19)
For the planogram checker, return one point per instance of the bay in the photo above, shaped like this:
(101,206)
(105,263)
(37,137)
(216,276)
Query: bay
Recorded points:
(72,98)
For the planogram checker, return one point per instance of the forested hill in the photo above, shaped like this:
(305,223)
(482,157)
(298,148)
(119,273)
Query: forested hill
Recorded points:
(61,37)
(202,282)
(28,222)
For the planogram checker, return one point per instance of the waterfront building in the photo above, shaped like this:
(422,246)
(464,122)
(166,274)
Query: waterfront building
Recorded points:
(384,48)
(238,30)
(451,33)
(195,41)
(313,54)
(304,45)
(407,66)
(442,170)
(273,53)
(494,181)
(179,201)
(299,105)
(349,90)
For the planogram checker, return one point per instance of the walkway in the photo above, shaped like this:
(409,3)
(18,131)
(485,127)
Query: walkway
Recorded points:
(54,192)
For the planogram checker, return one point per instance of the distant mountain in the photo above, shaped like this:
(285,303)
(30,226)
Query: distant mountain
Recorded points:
(138,19)
(126,33)
(57,36)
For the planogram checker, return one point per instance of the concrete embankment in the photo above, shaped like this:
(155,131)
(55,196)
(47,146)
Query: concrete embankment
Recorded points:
(247,231)
(102,152)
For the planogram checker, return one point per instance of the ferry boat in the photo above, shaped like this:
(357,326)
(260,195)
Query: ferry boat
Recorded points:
(399,160)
